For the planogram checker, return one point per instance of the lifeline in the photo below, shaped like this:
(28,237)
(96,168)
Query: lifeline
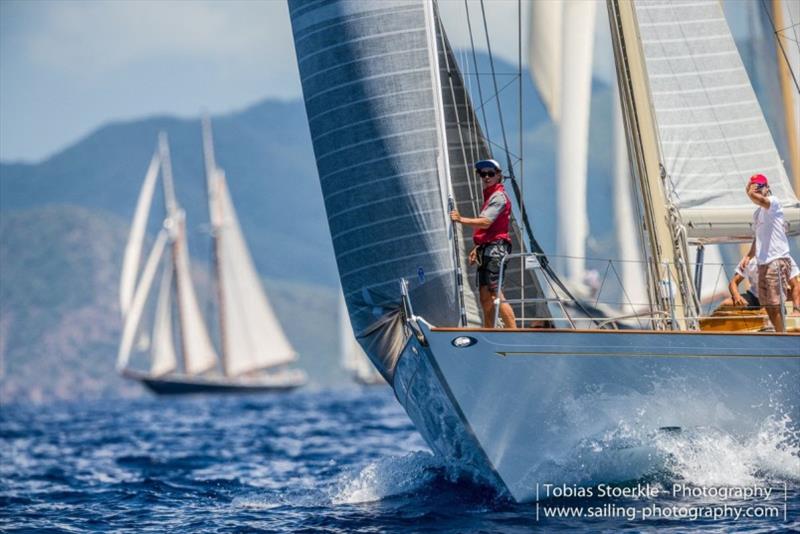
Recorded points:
(738,492)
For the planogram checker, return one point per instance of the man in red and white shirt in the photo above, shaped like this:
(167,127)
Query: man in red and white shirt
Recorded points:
(770,248)
(492,240)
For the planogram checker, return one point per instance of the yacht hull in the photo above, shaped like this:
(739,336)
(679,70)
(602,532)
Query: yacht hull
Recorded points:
(183,385)
(525,408)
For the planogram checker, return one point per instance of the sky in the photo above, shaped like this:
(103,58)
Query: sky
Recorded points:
(70,66)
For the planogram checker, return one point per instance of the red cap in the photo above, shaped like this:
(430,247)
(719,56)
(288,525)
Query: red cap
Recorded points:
(758,179)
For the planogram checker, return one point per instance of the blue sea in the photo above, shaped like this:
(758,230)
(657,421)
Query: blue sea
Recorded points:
(332,461)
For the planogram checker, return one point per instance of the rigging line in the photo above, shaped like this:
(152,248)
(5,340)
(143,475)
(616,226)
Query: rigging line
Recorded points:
(474,192)
(793,26)
(496,91)
(496,97)
(475,64)
(450,75)
(780,45)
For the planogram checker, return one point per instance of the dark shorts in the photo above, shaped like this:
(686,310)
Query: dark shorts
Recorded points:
(490,256)
(751,300)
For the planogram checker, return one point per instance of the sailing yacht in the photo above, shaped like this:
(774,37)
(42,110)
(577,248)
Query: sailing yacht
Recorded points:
(395,130)
(254,349)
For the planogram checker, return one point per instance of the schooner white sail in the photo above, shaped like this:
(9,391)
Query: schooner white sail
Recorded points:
(253,345)
(514,408)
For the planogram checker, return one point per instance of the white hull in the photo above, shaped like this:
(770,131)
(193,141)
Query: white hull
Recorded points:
(517,408)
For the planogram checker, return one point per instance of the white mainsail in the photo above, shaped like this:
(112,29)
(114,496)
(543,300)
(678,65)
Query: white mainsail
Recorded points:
(251,336)
(163,348)
(572,227)
(544,52)
(566,30)
(133,250)
(711,131)
(134,317)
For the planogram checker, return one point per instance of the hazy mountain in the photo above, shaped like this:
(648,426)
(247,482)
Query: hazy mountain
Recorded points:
(265,151)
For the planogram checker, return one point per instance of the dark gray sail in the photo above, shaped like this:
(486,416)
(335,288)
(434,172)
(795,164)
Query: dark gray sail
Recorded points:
(368,77)
(389,124)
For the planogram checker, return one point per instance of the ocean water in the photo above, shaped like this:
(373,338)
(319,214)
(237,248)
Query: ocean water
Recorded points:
(338,461)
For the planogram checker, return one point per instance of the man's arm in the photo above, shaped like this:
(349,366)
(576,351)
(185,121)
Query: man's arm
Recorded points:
(477,222)
(486,217)
(733,289)
(756,197)
(747,257)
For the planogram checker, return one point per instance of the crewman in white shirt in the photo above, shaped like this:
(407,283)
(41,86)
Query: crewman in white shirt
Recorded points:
(770,248)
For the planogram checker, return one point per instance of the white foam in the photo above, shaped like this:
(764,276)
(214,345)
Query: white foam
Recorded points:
(387,477)
(708,457)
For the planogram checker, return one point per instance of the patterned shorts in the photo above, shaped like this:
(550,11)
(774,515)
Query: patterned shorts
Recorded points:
(770,276)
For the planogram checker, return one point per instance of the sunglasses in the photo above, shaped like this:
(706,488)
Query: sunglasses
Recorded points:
(483,174)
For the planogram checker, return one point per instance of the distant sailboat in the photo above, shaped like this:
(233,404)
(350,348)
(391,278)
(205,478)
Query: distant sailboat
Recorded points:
(354,360)
(254,348)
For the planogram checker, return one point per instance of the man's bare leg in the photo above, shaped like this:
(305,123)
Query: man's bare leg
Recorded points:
(506,312)
(487,305)
(774,313)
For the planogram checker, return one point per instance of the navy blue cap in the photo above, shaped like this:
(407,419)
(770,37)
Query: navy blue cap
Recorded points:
(487,164)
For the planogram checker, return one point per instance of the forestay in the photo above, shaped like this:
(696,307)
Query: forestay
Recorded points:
(712,132)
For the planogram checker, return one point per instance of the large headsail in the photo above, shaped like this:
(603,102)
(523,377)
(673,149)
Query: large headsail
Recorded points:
(561,30)
(251,336)
(712,134)
(370,89)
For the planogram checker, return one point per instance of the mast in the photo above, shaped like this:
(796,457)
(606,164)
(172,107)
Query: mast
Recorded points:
(198,352)
(789,92)
(174,228)
(666,248)
(212,186)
